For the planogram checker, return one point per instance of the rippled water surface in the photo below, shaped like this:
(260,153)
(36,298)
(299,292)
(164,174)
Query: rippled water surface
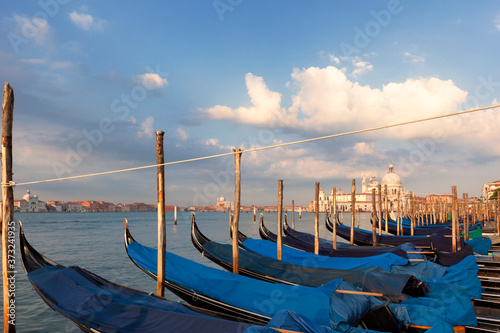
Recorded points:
(94,241)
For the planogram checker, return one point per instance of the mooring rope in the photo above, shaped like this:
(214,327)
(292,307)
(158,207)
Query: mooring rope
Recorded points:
(256,149)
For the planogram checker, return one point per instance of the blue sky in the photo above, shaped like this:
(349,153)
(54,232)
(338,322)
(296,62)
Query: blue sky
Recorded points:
(94,80)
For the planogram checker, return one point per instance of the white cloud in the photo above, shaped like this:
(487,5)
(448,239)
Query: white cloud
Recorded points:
(497,22)
(151,81)
(266,109)
(35,61)
(62,65)
(182,133)
(413,58)
(326,101)
(363,148)
(361,67)
(212,142)
(86,21)
(147,128)
(35,29)
(334,59)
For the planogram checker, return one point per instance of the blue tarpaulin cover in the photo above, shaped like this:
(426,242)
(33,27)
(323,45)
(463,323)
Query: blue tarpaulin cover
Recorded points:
(97,303)
(302,258)
(462,277)
(321,305)
(480,245)
(240,291)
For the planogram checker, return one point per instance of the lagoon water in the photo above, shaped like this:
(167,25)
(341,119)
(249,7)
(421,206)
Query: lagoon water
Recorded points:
(94,241)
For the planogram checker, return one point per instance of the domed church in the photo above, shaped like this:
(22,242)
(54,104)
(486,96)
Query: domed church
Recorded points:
(393,182)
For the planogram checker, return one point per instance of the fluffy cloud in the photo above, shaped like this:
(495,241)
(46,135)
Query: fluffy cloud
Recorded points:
(413,58)
(147,128)
(151,81)
(363,148)
(36,29)
(182,133)
(326,101)
(361,67)
(266,109)
(86,21)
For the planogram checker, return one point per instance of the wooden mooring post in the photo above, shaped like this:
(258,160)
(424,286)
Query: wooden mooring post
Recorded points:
(498,214)
(162,238)
(293,214)
(353,207)
(316,219)
(237,200)
(412,203)
(254,214)
(386,210)
(8,225)
(374,216)
(280,220)
(397,220)
(334,217)
(454,218)
(379,188)
(175,215)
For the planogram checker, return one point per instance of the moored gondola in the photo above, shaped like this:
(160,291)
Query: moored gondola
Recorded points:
(393,287)
(97,305)
(227,287)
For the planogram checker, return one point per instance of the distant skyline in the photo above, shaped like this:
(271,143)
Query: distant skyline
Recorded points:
(94,80)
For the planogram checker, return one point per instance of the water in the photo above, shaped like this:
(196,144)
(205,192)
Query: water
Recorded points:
(94,241)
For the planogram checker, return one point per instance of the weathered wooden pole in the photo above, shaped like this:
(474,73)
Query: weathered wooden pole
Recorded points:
(399,203)
(334,218)
(175,215)
(162,238)
(358,209)
(254,214)
(300,213)
(498,213)
(316,219)
(374,216)
(379,209)
(237,201)
(353,206)
(293,214)
(8,225)
(487,210)
(412,202)
(386,210)
(465,222)
(454,218)
(280,219)
(434,219)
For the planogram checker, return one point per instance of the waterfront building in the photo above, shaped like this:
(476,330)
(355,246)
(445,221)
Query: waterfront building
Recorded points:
(363,196)
(222,204)
(489,188)
(30,204)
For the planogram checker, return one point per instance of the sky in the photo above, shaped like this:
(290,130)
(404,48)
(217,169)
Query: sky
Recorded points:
(94,80)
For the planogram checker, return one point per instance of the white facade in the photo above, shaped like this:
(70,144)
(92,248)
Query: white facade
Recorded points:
(489,188)
(364,198)
(30,204)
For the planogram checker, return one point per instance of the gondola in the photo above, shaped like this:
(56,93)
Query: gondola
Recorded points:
(392,228)
(326,248)
(392,287)
(363,237)
(324,305)
(97,305)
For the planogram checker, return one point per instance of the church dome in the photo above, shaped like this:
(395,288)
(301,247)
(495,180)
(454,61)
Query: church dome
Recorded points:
(391,177)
